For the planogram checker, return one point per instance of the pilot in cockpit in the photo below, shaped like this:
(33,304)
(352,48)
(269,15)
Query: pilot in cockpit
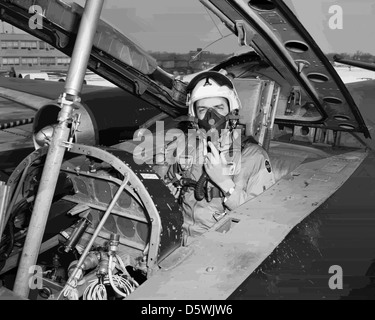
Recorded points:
(222,168)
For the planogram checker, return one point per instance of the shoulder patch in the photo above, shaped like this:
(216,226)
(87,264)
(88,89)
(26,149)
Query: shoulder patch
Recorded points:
(268,166)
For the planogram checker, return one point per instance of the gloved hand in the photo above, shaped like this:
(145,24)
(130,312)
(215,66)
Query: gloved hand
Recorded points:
(217,168)
(174,190)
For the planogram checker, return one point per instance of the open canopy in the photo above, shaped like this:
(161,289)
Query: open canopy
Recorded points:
(269,27)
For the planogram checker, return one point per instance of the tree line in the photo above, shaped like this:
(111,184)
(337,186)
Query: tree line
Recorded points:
(358,55)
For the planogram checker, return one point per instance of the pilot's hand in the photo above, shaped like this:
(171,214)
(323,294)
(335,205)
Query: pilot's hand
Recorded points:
(174,190)
(217,168)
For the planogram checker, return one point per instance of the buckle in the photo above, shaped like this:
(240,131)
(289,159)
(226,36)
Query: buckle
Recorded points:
(219,215)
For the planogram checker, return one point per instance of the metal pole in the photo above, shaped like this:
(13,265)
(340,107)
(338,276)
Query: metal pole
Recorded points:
(42,205)
(81,54)
(4,199)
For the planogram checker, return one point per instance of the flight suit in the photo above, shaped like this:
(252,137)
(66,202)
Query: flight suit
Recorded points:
(251,173)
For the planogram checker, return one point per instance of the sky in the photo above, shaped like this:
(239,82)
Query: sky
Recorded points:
(184,25)
(358,24)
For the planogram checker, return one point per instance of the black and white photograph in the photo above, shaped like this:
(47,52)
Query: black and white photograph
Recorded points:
(185,155)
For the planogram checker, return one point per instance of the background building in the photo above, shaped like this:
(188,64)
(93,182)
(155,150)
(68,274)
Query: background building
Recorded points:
(26,53)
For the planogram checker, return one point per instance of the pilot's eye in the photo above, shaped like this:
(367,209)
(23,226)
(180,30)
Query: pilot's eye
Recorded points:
(201,110)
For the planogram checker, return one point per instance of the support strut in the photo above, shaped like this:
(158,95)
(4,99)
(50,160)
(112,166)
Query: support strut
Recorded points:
(56,151)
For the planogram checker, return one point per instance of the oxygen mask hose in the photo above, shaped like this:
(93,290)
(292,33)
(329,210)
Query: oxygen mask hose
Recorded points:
(199,191)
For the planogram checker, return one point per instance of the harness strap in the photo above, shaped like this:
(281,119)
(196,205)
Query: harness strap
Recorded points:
(216,192)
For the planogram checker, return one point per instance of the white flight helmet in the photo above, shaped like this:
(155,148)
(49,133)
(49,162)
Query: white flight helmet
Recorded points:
(212,84)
